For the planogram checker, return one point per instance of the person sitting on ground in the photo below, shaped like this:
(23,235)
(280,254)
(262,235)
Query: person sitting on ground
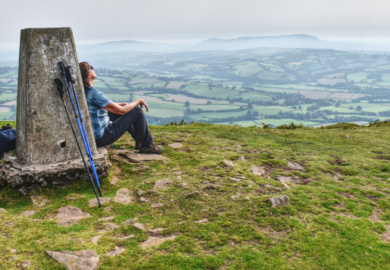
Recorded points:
(110,120)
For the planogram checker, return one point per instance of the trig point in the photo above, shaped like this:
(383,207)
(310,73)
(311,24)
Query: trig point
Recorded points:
(46,150)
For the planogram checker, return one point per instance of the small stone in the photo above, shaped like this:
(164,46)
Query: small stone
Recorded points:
(143,200)
(69,215)
(258,171)
(284,180)
(171,200)
(95,240)
(193,194)
(123,196)
(236,197)
(140,192)
(107,209)
(295,166)
(82,259)
(27,213)
(152,192)
(126,237)
(228,163)
(141,168)
(139,226)
(214,187)
(93,202)
(235,179)
(179,178)
(175,145)
(13,251)
(3,211)
(241,158)
(38,201)
(156,232)
(280,201)
(154,241)
(111,226)
(177,172)
(162,183)
(131,221)
(183,185)
(157,205)
(202,221)
(114,180)
(116,251)
(26,264)
(106,218)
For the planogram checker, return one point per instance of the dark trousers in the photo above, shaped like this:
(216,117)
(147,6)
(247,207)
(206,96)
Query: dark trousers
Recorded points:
(134,122)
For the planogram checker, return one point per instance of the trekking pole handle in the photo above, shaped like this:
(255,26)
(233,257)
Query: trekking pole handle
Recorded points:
(68,72)
(59,87)
(62,68)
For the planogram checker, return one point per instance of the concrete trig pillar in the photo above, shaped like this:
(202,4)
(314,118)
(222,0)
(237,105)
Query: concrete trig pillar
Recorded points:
(45,145)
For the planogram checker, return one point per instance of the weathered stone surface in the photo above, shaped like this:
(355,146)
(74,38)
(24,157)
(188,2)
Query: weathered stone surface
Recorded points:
(139,226)
(237,196)
(202,221)
(69,215)
(140,168)
(140,192)
(143,200)
(155,241)
(156,232)
(162,183)
(38,201)
(114,180)
(133,157)
(131,221)
(28,213)
(193,194)
(123,196)
(76,260)
(295,166)
(183,185)
(93,202)
(157,205)
(284,180)
(175,145)
(241,158)
(111,226)
(258,171)
(229,163)
(106,218)
(116,251)
(26,264)
(95,240)
(280,201)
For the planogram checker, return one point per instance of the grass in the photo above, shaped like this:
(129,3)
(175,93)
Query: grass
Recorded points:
(337,221)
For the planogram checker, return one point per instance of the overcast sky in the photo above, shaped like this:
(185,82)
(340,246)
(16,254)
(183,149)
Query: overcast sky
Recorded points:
(94,21)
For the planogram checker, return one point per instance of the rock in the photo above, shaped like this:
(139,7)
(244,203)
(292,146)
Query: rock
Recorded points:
(157,205)
(132,157)
(183,185)
(93,202)
(111,226)
(139,226)
(123,196)
(106,218)
(202,221)
(156,232)
(284,180)
(193,194)
(74,197)
(140,192)
(140,168)
(26,264)
(69,215)
(154,241)
(143,200)
(95,240)
(228,163)
(280,201)
(295,166)
(175,145)
(13,251)
(235,179)
(114,180)
(38,201)
(126,237)
(3,211)
(258,171)
(75,260)
(241,158)
(152,192)
(236,197)
(27,213)
(211,186)
(116,251)
(162,183)
(131,221)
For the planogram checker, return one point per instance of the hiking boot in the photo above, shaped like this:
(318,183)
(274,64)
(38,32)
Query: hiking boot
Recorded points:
(150,149)
(137,145)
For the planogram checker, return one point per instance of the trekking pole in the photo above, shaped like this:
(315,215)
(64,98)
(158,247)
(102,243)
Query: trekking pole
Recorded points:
(84,138)
(59,88)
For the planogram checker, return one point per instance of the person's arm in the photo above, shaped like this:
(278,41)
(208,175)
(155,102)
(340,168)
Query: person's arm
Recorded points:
(123,108)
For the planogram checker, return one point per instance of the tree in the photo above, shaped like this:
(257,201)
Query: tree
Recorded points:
(187,104)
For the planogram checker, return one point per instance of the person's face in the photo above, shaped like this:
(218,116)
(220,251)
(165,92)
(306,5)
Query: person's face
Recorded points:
(91,73)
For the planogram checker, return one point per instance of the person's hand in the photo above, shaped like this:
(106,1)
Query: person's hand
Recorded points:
(142,103)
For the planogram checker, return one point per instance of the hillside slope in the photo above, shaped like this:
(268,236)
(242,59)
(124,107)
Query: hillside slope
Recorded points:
(338,216)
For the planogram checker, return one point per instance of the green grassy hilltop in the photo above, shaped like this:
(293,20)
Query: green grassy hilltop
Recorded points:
(337,179)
